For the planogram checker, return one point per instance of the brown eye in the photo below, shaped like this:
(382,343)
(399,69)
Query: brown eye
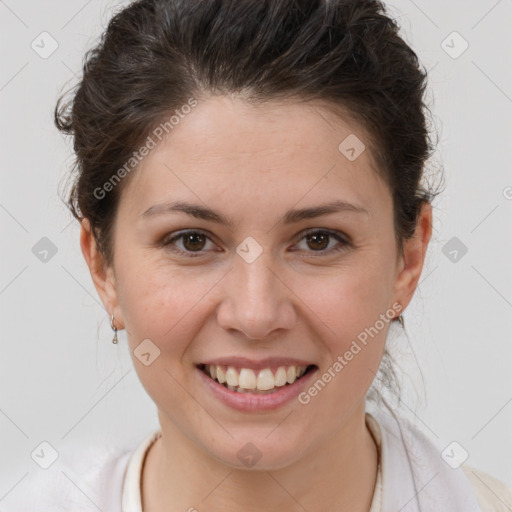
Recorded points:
(189,243)
(193,241)
(318,241)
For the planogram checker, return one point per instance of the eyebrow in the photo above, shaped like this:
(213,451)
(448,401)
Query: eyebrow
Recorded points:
(290,217)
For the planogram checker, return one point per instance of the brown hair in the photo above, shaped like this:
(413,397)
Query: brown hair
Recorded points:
(157,54)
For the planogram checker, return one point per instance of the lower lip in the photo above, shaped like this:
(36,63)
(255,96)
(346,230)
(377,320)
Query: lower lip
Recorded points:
(251,402)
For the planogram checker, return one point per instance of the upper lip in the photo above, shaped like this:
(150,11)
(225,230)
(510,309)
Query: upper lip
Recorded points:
(256,365)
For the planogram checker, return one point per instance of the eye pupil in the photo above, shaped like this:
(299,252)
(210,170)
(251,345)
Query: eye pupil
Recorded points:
(193,237)
(323,238)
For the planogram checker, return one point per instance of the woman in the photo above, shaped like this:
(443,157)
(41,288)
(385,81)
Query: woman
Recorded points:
(253,214)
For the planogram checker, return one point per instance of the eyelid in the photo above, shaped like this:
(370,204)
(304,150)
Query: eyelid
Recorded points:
(342,239)
(331,232)
(168,240)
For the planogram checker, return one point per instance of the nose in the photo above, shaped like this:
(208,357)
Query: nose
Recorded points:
(255,300)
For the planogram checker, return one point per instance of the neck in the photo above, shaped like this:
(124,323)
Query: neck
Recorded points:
(337,474)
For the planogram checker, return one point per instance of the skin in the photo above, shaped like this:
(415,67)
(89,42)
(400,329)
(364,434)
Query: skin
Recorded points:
(252,164)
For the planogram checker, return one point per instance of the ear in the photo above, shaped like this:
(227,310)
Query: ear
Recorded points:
(412,258)
(102,275)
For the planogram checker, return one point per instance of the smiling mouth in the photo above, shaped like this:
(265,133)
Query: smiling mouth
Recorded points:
(246,380)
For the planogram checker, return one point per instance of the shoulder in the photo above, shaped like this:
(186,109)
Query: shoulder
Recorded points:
(84,480)
(492,494)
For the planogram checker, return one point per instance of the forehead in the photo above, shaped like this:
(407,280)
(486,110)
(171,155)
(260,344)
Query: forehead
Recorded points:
(228,148)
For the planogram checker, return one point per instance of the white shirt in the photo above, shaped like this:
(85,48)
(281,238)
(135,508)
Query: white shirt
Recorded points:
(492,495)
(108,478)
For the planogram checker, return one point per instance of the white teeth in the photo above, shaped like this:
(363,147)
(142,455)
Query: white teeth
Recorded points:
(221,376)
(246,380)
(232,377)
(265,380)
(280,378)
(291,374)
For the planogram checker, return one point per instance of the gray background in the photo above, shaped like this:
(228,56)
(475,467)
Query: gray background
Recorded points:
(62,380)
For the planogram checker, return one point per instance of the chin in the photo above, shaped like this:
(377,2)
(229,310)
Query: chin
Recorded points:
(248,452)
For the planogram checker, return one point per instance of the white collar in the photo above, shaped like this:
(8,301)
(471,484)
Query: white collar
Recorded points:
(415,478)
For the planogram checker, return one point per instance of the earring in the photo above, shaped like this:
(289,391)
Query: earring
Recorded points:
(114,328)
(400,320)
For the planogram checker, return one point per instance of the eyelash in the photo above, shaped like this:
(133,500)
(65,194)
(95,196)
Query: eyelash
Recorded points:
(344,243)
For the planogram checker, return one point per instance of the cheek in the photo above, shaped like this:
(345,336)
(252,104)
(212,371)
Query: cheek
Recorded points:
(164,304)
(353,311)
(354,316)
(352,298)
(166,308)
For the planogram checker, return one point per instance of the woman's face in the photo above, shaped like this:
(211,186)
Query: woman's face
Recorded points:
(258,284)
